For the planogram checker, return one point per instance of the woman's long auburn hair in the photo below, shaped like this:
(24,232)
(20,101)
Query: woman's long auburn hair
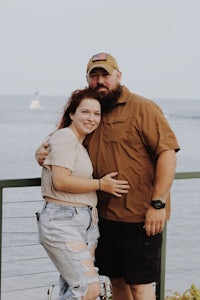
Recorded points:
(74,101)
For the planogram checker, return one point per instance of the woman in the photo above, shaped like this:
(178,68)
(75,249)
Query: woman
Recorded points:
(67,225)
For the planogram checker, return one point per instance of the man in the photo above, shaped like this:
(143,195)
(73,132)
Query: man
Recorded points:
(134,139)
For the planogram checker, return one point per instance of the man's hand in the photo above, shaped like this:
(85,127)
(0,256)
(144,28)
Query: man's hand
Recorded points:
(41,153)
(154,221)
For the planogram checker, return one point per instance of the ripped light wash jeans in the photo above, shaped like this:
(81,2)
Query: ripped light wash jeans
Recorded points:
(68,234)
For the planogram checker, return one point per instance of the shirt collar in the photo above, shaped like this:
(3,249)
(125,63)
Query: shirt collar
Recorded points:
(124,96)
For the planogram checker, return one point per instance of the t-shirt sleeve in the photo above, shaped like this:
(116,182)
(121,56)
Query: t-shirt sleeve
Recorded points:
(62,150)
(157,133)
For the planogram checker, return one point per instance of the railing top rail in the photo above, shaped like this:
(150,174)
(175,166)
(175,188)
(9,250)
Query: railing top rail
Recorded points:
(20,182)
(25,182)
(187,175)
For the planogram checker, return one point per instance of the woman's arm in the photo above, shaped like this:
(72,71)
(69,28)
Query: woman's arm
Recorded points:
(64,181)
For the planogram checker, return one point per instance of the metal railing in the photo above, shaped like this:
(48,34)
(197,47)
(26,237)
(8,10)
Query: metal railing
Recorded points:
(31,182)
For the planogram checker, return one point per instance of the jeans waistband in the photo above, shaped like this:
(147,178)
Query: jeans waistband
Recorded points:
(64,203)
(93,210)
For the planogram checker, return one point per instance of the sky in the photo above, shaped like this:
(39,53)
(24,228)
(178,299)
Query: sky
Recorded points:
(46,44)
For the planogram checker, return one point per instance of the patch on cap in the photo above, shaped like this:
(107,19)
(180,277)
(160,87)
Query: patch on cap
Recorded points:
(99,56)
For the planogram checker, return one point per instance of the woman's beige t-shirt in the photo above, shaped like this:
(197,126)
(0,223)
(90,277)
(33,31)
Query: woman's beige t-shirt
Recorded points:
(67,152)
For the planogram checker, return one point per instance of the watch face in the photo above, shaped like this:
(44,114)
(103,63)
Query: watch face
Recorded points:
(158,204)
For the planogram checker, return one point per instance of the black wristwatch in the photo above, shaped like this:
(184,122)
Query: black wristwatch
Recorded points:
(157,204)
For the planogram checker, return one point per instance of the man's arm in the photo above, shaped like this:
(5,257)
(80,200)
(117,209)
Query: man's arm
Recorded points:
(41,153)
(165,169)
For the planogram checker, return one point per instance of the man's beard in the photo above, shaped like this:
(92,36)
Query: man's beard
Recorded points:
(108,101)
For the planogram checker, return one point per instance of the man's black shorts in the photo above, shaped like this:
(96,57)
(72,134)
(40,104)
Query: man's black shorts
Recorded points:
(124,250)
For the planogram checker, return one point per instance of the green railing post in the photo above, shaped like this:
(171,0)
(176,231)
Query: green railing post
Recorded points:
(8,184)
(160,287)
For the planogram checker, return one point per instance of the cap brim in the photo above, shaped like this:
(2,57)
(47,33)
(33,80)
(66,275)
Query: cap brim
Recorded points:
(104,66)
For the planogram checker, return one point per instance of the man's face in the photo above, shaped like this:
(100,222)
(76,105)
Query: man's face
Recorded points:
(102,82)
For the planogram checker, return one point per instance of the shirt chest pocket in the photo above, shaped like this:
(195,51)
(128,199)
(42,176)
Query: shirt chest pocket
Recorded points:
(116,129)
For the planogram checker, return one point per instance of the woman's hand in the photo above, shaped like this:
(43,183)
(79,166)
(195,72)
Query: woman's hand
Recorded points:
(114,186)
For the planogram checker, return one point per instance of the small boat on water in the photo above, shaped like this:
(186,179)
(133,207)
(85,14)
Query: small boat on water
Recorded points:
(35,103)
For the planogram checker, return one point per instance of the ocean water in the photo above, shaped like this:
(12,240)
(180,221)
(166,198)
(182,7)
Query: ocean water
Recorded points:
(22,130)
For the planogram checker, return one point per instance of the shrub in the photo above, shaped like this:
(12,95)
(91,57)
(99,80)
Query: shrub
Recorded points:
(191,294)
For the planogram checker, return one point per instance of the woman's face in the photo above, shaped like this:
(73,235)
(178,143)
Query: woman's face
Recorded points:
(86,118)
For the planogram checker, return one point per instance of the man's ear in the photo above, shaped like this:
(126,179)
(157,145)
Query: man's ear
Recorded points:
(86,77)
(119,75)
